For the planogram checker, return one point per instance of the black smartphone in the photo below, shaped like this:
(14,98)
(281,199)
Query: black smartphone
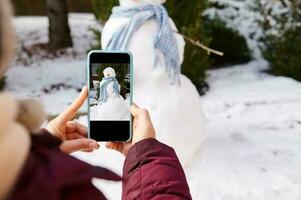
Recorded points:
(110,95)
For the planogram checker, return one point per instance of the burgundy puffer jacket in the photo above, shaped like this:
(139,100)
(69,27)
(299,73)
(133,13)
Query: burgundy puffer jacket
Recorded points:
(151,171)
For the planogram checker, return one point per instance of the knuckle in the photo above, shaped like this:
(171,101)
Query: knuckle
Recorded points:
(144,111)
(84,145)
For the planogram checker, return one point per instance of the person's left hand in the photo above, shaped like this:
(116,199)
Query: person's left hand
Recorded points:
(73,134)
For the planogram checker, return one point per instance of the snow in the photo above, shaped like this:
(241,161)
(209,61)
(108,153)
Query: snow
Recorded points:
(253,145)
(32,30)
(31,81)
(242,16)
(115,108)
(254,137)
(248,16)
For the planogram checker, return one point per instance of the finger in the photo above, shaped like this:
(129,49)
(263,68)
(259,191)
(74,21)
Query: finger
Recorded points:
(70,127)
(74,126)
(126,147)
(112,145)
(88,151)
(145,114)
(135,110)
(109,145)
(135,122)
(71,146)
(71,111)
(73,136)
(81,129)
(115,146)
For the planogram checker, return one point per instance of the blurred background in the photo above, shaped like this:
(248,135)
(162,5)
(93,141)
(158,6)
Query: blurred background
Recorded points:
(251,95)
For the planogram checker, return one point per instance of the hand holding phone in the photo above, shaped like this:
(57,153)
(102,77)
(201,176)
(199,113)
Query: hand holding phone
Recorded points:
(70,132)
(142,129)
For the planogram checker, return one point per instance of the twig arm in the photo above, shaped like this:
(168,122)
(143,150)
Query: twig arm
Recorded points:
(202,46)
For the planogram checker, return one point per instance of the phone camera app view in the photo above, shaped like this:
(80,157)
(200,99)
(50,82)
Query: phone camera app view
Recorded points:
(110,100)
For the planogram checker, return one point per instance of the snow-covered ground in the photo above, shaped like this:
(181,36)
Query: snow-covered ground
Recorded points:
(253,147)
(56,81)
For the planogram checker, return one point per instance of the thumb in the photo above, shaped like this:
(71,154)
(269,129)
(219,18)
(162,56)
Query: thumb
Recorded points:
(82,144)
(117,146)
(135,110)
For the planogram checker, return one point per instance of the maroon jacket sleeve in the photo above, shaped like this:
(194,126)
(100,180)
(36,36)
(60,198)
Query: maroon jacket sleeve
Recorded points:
(153,171)
(49,174)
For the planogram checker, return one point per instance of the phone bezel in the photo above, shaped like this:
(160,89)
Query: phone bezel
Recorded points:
(131,83)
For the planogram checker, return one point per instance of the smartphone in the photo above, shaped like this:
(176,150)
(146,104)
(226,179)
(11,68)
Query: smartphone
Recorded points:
(110,95)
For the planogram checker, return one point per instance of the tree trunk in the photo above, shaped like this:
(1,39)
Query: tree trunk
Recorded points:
(59,30)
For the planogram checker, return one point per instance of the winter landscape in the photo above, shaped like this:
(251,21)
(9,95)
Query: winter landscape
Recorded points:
(253,144)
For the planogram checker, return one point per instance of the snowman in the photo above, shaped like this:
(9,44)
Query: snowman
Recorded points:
(144,28)
(111,105)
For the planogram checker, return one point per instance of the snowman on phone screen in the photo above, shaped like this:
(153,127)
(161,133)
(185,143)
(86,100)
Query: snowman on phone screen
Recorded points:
(111,105)
(144,28)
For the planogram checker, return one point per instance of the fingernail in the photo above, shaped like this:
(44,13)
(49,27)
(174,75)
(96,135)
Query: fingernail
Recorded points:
(83,88)
(93,145)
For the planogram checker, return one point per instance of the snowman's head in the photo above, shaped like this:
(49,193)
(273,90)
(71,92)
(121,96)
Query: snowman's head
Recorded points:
(109,72)
(140,2)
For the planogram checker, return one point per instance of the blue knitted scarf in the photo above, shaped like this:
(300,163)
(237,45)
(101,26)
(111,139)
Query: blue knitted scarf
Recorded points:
(103,95)
(164,41)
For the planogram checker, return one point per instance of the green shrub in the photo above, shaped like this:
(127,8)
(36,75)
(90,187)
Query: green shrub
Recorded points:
(102,8)
(96,44)
(282,38)
(229,41)
(188,17)
(283,53)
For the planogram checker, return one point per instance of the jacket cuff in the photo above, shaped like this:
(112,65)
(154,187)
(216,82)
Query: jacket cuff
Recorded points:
(144,152)
(46,139)
(45,131)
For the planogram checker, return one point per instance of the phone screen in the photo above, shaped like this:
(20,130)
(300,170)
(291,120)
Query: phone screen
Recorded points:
(110,87)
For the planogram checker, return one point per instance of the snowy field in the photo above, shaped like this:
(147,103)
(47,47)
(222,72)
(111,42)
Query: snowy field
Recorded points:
(49,77)
(253,147)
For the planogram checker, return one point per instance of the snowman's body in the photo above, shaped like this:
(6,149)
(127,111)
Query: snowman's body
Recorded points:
(176,110)
(115,108)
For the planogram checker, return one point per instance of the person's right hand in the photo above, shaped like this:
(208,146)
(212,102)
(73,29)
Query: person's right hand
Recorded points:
(142,129)
(73,134)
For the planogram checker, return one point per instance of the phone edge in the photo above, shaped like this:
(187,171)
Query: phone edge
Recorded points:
(131,90)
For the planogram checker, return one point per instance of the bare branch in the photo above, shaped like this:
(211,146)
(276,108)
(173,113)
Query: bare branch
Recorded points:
(202,46)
